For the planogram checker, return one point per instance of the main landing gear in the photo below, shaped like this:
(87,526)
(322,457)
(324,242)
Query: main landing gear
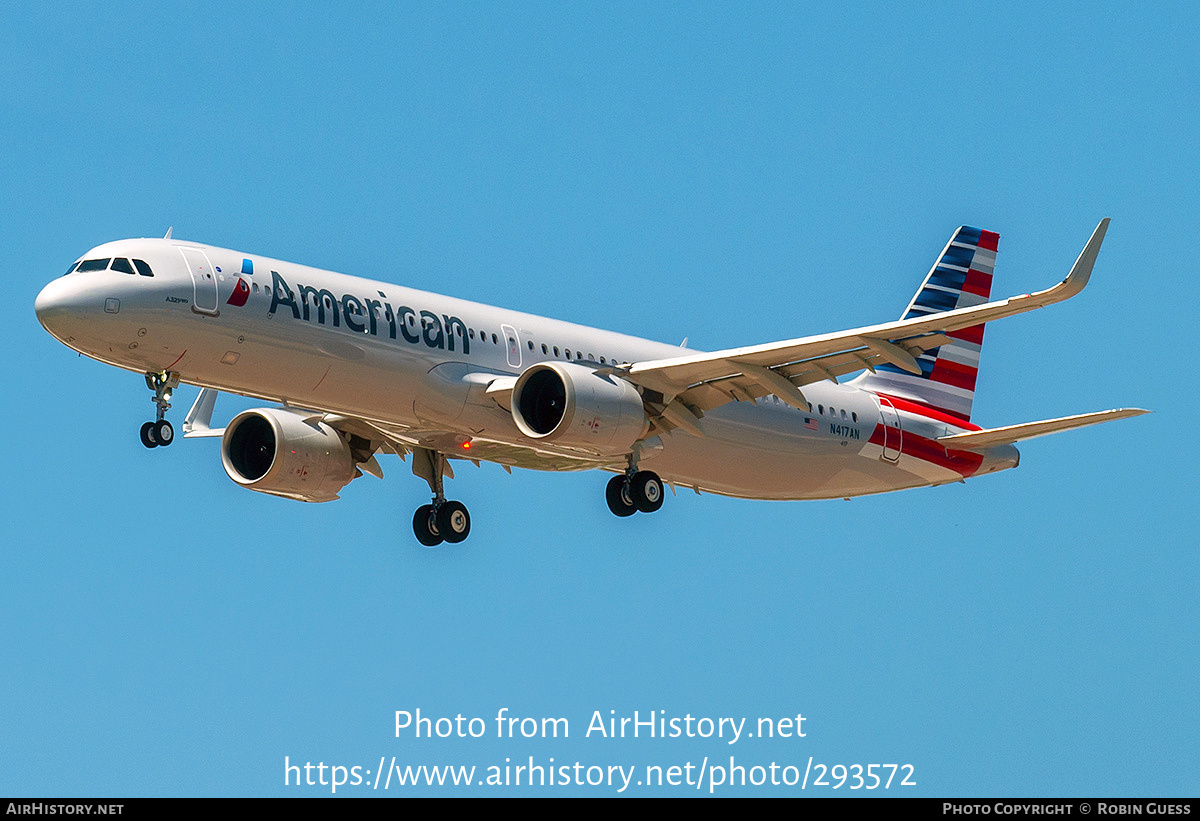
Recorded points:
(441,520)
(160,432)
(634,491)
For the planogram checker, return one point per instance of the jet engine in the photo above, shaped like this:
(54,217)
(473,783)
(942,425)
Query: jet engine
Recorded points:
(282,452)
(572,406)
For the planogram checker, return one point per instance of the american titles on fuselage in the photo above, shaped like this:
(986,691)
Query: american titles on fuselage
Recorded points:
(307,303)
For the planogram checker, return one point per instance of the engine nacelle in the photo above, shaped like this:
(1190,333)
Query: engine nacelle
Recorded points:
(570,405)
(273,450)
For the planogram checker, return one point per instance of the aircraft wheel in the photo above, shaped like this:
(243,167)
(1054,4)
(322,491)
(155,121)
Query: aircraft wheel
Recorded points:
(148,435)
(647,491)
(164,434)
(453,522)
(422,521)
(617,496)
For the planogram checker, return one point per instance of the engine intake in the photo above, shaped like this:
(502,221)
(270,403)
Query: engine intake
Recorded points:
(276,451)
(571,406)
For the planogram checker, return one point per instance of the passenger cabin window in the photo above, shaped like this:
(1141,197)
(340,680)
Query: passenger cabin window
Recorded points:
(94,264)
(121,264)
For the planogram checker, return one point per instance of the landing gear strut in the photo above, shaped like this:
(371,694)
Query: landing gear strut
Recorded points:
(160,432)
(441,520)
(633,491)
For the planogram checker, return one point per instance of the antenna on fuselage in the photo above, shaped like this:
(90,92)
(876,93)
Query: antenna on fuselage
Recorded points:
(168,234)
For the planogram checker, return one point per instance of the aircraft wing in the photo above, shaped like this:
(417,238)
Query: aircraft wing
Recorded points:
(691,385)
(403,441)
(389,438)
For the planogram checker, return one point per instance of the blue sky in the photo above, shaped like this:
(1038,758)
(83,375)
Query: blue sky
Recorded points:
(725,173)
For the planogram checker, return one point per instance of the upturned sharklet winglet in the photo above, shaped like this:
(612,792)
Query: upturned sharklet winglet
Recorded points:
(1081,271)
(1011,434)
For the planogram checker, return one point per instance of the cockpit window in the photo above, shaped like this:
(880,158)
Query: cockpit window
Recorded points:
(143,268)
(72,268)
(121,264)
(93,265)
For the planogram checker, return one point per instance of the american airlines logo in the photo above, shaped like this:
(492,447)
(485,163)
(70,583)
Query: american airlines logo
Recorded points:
(241,292)
(368,316)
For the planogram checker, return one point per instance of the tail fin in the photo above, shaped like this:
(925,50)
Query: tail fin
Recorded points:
(961,277)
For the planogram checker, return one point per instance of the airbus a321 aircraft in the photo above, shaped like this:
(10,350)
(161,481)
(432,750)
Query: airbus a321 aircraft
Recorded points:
(358,367)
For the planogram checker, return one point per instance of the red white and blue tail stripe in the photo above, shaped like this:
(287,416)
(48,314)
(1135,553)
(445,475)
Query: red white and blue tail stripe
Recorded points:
(961,277)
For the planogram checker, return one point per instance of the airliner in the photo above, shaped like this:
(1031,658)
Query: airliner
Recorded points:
(354,368)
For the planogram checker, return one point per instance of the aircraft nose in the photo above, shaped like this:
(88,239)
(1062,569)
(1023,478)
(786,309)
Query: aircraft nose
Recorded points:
(57,305)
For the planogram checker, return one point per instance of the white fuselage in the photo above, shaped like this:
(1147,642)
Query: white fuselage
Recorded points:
(418,364)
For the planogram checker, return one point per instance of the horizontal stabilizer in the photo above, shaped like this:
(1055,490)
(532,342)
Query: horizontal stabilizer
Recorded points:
(980,439)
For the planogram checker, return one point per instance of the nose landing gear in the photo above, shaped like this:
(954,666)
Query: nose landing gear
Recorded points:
(160,432)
